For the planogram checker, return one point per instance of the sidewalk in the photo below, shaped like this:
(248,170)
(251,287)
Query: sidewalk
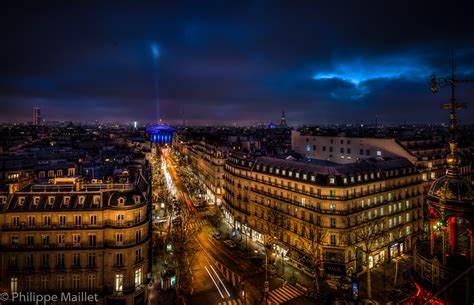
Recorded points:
(383,276)
(250,249)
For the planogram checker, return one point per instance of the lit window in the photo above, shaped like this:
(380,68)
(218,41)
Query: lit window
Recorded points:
(119,282)
(91,281)
(44,282)
(138,277)
(379,153)
(332,180)
(60,282)
(75,281)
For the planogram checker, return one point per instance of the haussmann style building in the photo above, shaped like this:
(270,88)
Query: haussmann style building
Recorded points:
(69,235)
(367,211)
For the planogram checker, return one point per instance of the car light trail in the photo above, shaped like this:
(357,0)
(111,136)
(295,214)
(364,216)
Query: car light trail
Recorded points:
(217,286)
(219,278)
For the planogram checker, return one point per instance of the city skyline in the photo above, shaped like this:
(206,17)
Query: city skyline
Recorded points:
(232,63)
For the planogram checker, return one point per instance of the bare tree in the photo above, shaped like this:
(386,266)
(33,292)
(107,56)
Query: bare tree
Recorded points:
(181,237)
(367,234)
(312,238)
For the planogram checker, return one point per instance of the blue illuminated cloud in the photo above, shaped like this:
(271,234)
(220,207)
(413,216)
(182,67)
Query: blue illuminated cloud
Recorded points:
(360,71)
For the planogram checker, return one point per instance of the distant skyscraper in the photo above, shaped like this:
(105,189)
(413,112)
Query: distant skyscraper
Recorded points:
(283,119)
(36,116)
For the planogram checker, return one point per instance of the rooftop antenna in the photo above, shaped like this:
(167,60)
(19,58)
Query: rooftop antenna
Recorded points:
(453,105)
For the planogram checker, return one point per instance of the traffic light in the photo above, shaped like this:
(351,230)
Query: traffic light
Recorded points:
(434,83)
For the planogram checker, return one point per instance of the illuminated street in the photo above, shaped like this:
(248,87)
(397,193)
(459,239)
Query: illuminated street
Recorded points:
(221,273)
(208,282)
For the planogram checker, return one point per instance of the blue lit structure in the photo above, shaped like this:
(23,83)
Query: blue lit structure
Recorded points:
(160,134)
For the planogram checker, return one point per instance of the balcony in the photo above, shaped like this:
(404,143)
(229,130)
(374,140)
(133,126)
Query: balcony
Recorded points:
(73,226)
(347,196)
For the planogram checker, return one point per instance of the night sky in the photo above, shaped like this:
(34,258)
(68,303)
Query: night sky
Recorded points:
(226,62)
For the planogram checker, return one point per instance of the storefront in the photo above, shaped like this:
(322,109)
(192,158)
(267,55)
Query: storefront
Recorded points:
(396,249)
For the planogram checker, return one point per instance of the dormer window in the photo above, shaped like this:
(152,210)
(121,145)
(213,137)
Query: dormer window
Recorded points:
(366,177)
(51,200)
(332,180)
(121,201)
(313,178)
(305,176)
(21,200)
(344,180)
(290,173)
(277,171)
(3,199)
(378,175)
(271,169)
(283,172)
(82,199)
(136,199)
(96,199)
(352,179)
(297,175)
(67,199)
(359,178)
(36,200)
(371,175)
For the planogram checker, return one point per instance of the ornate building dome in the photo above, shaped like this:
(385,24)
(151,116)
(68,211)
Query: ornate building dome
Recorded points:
(451,188)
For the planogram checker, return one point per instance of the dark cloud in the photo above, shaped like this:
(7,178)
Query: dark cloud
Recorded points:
(232,61)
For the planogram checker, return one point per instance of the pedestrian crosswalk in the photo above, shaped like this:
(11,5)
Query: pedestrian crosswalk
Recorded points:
(196,224)
(284,294)
(231,302)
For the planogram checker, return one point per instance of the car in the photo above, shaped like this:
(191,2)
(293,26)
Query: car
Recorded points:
(229,243)
(217,235)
